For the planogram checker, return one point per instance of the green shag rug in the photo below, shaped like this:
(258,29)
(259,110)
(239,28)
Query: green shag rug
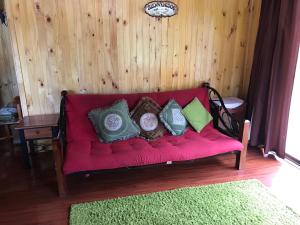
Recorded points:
(242,202)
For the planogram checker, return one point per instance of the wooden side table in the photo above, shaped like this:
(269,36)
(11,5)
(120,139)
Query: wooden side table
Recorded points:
(34,128)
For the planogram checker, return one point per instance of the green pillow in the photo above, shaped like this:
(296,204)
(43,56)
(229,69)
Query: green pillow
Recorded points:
(172,118)
(196,114)
(113,123)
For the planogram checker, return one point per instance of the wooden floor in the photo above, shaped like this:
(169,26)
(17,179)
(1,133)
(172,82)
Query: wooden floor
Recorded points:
(29,196)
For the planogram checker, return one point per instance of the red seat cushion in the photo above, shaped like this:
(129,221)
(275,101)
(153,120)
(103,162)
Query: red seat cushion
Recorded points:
(85,152)
(138,152)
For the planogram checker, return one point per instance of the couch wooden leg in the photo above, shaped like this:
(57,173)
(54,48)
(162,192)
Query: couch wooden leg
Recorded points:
(241,156)
(58,161)
(238,161)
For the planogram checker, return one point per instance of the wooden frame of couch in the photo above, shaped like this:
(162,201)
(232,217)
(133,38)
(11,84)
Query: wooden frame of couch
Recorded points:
(59,144)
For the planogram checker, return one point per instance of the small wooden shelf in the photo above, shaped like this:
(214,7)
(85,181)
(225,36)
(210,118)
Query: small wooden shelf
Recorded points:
(36,127)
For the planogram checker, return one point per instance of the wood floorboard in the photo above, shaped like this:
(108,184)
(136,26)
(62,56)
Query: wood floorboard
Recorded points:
(29,196)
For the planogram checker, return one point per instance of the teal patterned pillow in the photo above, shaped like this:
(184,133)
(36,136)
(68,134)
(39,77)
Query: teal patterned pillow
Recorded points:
(113,123)
(172,118)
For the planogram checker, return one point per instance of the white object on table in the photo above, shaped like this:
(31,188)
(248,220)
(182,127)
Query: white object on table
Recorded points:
(230,102)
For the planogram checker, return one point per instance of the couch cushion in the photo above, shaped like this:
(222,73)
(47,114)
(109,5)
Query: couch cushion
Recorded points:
(196,114)
(172,118)
(89,155)
(145,114)
(113,123)
(79,128)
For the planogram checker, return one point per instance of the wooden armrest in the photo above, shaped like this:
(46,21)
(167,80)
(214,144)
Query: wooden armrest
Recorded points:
(58,163)
(244,132)
(244,135)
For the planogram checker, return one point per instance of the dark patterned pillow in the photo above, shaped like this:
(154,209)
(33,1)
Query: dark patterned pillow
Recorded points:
(114,123)
(145,114)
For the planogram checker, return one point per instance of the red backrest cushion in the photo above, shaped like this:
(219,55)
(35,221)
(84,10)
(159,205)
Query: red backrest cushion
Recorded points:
(78,105)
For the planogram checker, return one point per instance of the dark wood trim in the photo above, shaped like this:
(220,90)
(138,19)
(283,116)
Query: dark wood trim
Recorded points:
(241,156)
(58,163)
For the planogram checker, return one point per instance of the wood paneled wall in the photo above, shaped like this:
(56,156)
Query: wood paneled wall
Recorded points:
(8,81)
(112,46)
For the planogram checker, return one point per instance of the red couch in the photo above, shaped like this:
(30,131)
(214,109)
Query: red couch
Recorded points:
(83,152)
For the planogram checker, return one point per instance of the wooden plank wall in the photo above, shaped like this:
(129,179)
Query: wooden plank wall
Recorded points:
(8,81)
(112,46)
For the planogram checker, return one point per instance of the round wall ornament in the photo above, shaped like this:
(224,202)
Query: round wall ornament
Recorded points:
(161,8)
